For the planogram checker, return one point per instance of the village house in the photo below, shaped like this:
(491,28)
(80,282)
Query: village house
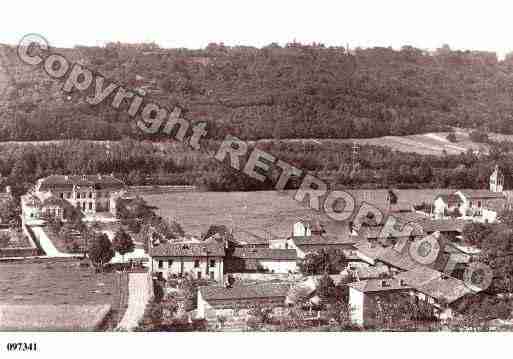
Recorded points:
(52,196)
(435,288)
(476,205)
(236,301)
(196,259)
(267,260)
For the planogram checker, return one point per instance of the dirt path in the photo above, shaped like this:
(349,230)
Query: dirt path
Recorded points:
(139,295)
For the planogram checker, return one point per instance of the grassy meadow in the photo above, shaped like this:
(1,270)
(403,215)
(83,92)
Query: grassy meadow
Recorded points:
(263,210)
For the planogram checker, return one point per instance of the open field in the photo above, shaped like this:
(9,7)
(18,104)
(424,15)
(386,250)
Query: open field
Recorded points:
(264,210)
(61,282)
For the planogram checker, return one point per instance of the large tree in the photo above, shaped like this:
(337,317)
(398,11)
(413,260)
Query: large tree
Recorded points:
(123,243)
(100,250)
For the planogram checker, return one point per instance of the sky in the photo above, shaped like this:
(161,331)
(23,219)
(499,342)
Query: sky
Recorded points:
(428,24)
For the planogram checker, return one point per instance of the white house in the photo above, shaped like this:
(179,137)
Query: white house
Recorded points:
(477,205)
(198,260)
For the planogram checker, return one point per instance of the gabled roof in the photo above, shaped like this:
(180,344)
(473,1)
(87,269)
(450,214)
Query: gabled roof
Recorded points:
(201,249)
(379,285)
(65,181)
(265,253)
(435,284)
(254,291)
(419,275)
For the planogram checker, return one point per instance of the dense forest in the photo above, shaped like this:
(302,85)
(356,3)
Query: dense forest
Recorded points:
(148,163)
(295,91)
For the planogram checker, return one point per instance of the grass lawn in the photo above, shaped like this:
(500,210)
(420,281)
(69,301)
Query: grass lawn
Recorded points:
(62,282)
(268,210)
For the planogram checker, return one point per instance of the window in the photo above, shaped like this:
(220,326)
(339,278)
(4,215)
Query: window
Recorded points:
(199,275)
(212,276)
(169,263)
(90,194)
(62,194)
(212,263)
(161,264)
(196,263)
(90,205)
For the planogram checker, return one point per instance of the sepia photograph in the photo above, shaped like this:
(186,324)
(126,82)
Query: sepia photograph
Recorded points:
(203,173)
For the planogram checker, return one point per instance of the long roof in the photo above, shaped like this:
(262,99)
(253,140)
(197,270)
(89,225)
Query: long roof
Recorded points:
(253,291)
(324,240)
(65,181)
(379,285)
(265,253)
(202,249)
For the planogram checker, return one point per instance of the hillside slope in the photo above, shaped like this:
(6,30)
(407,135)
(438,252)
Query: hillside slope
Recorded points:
(292,92)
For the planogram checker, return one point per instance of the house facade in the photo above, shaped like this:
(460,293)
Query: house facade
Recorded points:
(90,194)
(199,260)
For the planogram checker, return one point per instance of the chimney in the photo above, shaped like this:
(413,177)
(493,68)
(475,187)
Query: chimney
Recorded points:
(8,189)
(66,177)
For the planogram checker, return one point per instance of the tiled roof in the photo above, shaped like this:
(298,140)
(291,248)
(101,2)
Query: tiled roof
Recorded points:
(264,253)
(396,259)
(379,285)
(449,198)
(435,284)
(98,181)
(315,240)
(419,275)
(445,289)
(369,249)
(371,272)
(188,250)
(254,291)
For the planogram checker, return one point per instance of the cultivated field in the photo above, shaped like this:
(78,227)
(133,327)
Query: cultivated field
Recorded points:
(61,282)
(263,210)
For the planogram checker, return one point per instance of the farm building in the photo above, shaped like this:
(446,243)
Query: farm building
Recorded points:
(268,260)
(197,259)
(237,300)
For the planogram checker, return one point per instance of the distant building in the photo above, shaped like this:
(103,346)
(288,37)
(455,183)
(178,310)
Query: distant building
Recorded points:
(53,195)
(196,259)
(476,205)
(317,242)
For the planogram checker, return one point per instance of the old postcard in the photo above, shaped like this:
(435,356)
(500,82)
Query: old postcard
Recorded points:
(254,167)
